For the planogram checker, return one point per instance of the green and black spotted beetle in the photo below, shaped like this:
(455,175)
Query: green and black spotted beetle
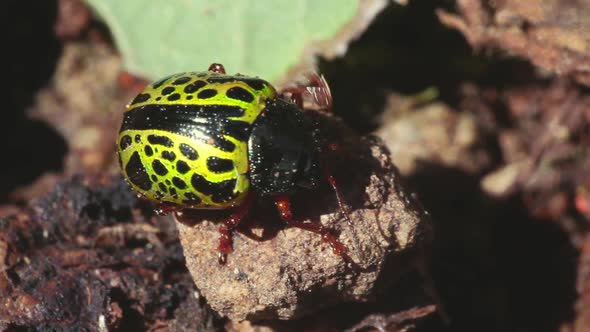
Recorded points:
(207,140)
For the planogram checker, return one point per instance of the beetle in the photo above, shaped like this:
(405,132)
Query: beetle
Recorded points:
(208,140)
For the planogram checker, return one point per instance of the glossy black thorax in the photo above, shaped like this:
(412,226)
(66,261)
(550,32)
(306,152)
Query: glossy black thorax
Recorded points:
(282,150)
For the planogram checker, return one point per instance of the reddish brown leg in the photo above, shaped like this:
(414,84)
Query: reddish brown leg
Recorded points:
(326,168)
(326,164)
(316,88)
(164,209)
(283,204)
(217,68)
(228,226)
(296,95)
(341,204)
(319,91)
(131,82)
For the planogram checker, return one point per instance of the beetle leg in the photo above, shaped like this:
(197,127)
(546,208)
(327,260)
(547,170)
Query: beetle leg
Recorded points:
(316,90)
(320,92)
(283,204)
(295,95)
(343,207)
(326,169)
(327,152)
(228,225)
(164,208)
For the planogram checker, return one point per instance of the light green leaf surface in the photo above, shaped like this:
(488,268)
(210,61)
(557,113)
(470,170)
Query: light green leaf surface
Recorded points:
(264,38)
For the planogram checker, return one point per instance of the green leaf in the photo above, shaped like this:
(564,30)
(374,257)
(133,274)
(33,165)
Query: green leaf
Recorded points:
(264,38)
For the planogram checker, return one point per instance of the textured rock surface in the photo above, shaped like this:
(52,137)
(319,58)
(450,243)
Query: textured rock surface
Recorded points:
(277,272)
(552,34)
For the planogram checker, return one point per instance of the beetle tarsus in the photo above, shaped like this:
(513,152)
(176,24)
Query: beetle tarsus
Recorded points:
(228,226)
(222,258)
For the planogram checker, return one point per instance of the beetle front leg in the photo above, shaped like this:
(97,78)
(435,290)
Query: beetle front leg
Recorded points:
(228,225)
(165,208)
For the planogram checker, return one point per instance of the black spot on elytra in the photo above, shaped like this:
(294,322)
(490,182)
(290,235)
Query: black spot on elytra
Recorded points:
(181,80)
(140,98)
(207,93)
(191,199)
(239,130)
(182,166)
(173,193)
(222,79)
(136,172)
(159,83)
(148,151)
(178,182)
(225,195)
(163,187)
(189,97)
(159,168)
(137,138)
(254,83)
(240,93)
(188,151)
(202,185)
(223,144)
(193,87)
(220,191)
(219,165)
(154,178)
(174,97)
(168,155)
(160,140)
(158,98)
(167,182)
(167,90)
(125,142)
